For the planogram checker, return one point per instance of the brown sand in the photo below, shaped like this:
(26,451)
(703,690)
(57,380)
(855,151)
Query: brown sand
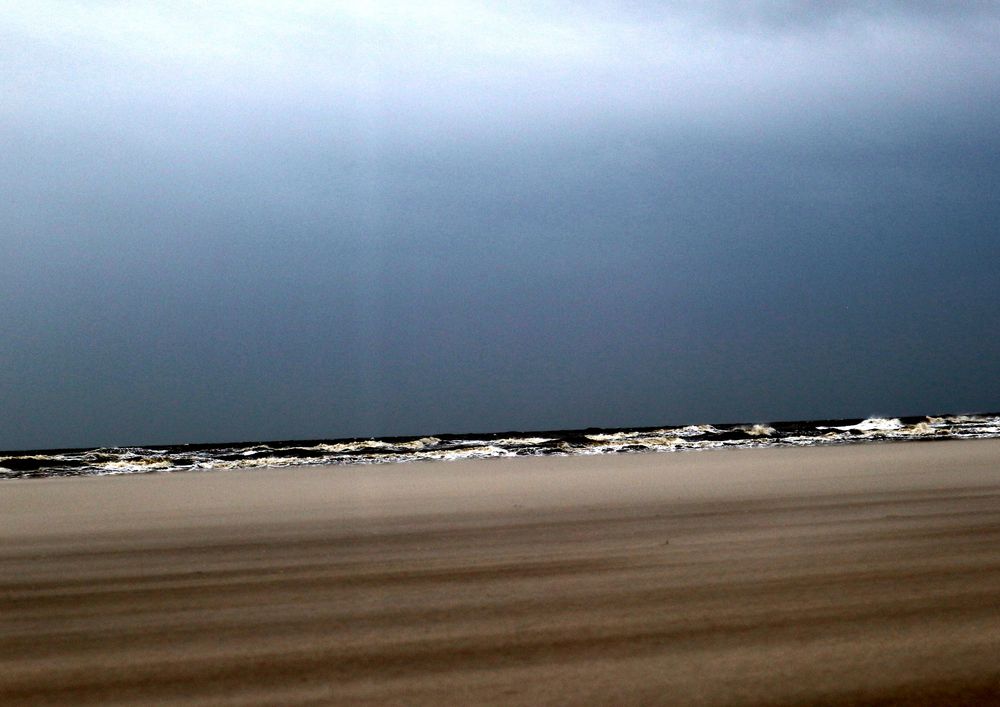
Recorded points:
(863,574)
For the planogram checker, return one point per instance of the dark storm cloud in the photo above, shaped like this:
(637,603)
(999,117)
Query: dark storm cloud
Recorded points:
(228,221)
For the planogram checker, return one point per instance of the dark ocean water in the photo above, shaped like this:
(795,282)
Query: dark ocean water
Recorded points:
(248,455)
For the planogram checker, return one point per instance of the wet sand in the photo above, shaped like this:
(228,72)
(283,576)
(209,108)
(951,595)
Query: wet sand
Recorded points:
(865,574)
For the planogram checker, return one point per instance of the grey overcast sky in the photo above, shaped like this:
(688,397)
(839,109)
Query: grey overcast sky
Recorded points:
(232,221)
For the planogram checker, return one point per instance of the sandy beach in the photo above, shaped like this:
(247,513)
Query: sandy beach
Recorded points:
(863,574)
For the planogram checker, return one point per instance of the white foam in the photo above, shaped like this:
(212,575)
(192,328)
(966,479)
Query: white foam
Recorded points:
(469,453)
(421,443)
(923,428)
(661,441)
(523,441)
(136,465)
(759,430)
(872,424)
(613,437)
(695,430)
(340,447)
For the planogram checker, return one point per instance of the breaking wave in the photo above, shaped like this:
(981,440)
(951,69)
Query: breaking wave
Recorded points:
(137,460)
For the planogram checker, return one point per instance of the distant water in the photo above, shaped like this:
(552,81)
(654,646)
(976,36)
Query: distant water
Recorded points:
(250,455)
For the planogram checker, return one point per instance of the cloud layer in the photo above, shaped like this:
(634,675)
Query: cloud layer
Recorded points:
(238,220)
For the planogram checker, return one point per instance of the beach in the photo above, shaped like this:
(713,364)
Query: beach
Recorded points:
(842,574)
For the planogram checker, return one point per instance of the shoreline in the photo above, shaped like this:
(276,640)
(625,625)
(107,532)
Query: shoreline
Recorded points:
(786,575)
(451,447)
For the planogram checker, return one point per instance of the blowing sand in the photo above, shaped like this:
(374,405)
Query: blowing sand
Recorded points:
(864,574)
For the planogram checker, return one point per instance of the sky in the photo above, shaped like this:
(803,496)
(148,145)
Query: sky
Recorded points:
(237,221)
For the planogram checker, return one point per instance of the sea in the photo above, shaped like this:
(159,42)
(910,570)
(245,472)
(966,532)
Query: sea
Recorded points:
(388,450)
